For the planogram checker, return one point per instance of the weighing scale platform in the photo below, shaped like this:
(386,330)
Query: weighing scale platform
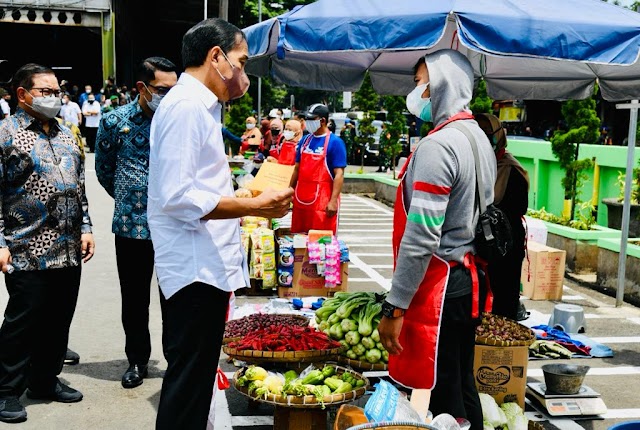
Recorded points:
(586,402)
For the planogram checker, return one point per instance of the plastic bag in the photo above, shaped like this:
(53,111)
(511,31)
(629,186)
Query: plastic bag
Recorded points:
(243,180)
(387,403)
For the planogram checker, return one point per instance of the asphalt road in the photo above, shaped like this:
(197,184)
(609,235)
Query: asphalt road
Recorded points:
(365,225)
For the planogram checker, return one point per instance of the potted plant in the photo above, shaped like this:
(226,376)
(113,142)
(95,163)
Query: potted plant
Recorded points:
(615,204)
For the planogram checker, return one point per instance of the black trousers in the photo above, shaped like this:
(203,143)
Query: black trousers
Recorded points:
(193,327)
(134,258)
(455,392)
(504,276)
(35,330)
(91,133)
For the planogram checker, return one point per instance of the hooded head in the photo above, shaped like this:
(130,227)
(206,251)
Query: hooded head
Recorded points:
(492,127)
(450,83)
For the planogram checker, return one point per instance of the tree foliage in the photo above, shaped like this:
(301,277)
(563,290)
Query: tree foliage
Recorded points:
(481,103)
(396,127)
(366,99)
(238,112)
(275,94)
(582,127)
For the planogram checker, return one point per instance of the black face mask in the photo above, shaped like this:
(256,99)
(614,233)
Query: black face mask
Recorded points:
(275,132)
(91,101)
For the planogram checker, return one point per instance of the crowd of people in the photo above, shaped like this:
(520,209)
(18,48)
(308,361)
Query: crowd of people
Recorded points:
(187,228)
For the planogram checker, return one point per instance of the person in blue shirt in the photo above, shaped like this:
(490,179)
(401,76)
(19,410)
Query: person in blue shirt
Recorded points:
(321,158)
(122,168)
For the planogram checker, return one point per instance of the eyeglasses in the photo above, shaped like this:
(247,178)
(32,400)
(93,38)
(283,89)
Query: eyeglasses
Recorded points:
(160,90)
(48,92)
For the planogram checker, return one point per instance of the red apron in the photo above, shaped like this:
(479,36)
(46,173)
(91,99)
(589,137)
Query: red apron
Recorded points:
(284,152)
(416,366)
(313,192)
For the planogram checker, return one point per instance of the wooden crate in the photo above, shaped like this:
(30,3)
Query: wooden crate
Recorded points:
(299,419)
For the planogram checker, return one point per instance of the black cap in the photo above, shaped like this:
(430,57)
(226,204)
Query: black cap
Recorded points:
(316,111)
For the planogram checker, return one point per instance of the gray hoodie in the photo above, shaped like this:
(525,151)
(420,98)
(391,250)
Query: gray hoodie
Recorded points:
(440,181)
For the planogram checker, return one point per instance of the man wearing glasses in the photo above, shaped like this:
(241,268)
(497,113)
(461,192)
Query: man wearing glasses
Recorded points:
(45,235)
(122,167)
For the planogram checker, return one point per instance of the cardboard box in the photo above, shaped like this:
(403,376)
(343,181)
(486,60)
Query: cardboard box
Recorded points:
(271,175)
(501,372)
(307,282)
(536,230)
(543,272)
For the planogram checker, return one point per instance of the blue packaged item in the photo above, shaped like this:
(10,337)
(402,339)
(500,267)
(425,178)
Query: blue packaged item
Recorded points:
(388,404)
(285,276)
(344,251)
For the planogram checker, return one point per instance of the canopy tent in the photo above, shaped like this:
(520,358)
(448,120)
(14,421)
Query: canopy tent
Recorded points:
(523,49)
(515,45)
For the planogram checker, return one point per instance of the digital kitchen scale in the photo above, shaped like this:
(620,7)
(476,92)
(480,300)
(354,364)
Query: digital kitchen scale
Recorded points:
(586,402)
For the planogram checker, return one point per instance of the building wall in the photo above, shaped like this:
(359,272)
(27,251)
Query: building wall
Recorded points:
(545,174)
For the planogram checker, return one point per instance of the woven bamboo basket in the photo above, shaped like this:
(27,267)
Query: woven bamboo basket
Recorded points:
(393,425)
(362,365)
(274,357)
(403,425)
(308,402)
(531,336)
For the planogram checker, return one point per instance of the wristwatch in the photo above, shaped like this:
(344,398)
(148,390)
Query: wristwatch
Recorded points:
(390,311)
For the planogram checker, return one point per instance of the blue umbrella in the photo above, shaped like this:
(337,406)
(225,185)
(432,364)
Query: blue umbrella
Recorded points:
(523,49)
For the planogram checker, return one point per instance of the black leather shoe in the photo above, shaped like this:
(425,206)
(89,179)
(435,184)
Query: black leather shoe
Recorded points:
(62,393)
(134,375)
(71,358)
(12,411)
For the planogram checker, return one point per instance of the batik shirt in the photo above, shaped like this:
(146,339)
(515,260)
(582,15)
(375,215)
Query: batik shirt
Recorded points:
(44,205)
(122,167)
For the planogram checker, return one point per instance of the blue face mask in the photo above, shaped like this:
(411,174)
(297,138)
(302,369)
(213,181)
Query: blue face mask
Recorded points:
(419,106)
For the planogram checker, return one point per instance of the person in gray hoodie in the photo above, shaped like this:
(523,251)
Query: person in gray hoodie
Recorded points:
(433,307)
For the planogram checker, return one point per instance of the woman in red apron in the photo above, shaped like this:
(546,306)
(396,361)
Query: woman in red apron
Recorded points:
(313,191)
(285,151)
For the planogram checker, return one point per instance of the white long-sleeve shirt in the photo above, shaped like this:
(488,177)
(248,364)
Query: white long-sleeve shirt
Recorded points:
(188,174)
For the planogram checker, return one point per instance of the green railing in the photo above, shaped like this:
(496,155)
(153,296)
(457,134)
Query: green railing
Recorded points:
(545,174)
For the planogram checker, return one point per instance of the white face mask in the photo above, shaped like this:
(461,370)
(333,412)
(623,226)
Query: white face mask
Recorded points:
(419,106)
(250,126)
(288,134)
(312,125)
(155,100)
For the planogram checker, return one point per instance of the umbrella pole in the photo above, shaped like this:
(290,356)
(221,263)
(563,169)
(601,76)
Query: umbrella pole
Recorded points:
(626,208)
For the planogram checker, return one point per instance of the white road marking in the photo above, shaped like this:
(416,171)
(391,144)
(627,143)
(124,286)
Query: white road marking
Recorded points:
(249,421)
(375,276)
(370,230)
(576,297)
(634,320)
(364,224)
(374,254)
(223,418)
(618,339)
(597,371)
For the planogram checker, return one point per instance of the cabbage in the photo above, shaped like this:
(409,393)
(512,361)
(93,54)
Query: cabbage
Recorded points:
(491,412)
(487,426)
(515,416)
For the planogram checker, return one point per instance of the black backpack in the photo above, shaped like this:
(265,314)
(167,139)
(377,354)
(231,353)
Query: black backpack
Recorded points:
(493,236)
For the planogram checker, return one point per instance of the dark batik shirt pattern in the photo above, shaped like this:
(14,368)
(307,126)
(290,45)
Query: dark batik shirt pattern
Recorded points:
(44,206)
(122,167)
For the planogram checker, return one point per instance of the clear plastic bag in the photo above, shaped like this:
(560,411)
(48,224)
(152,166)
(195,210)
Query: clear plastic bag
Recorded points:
(387,403)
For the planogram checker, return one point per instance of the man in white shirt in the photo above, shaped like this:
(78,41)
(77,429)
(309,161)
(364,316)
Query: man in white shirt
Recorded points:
(5,109)
(91,111)
(193,218)
(70,111)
